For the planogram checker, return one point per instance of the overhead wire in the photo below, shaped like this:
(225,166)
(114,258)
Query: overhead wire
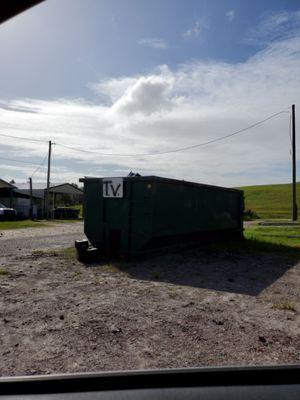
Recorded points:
(24,138)
(40,165)
(218,139)
(18,161)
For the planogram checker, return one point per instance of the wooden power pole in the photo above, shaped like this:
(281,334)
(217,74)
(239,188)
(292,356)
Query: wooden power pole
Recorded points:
(48,182)
(295,209)
(31,201)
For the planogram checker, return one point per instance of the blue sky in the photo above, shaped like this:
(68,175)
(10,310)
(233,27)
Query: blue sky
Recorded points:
(140,76)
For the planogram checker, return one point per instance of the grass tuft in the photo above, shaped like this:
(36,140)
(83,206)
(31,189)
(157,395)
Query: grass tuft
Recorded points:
(285,305)
(68,252)
(4,271)
(157,274)
(112,268)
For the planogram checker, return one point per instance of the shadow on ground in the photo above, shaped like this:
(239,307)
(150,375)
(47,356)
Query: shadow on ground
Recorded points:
(246,267)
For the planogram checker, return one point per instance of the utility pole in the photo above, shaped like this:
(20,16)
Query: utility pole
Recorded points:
(31,202)
(48,182)
(295,210)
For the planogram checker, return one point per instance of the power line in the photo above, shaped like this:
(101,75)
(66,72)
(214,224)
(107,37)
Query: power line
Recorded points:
(24,138)
(18,161)
(155,153)
(218,139)
(40,166)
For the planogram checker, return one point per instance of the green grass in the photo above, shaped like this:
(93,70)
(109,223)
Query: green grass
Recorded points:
(283,241)
(61,221)
(22,224)
(288,236)
(270,201)
(27,223)
(78,207)
(157,274)
(4,271)
(68,253)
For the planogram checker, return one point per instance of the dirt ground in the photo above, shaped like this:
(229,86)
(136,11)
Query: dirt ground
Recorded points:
(195,308)
(22,241)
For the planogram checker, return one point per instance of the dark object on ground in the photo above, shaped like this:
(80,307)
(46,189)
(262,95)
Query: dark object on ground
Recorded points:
(139,215)
(214,383)
(85,252)
(262,339)
(65,213)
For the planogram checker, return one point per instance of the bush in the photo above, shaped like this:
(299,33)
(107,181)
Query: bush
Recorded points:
(250,215)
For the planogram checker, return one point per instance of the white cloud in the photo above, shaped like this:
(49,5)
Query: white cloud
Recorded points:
(275,26)
(230,14)
(149,94)
(114,88)
(196,30)
(156,43)
(167,109)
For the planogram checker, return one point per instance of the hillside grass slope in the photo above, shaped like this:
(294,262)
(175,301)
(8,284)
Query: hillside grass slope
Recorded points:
(270,201)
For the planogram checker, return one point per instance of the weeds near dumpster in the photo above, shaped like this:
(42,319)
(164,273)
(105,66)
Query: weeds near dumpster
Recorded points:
(111,268)
(68,253)
(157,274)
(285,305)
(4,271)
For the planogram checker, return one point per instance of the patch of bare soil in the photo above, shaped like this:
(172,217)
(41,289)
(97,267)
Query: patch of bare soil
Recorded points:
(190,309)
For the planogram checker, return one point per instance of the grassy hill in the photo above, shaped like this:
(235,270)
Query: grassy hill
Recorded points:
(270,201)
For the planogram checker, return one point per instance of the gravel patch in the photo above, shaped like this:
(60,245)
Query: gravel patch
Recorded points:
(191,309)
(24,241)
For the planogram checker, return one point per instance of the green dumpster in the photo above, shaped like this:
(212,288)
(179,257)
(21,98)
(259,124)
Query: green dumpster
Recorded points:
(131,215)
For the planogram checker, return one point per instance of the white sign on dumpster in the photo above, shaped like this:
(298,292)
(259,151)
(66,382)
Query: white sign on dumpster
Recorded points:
(112,187)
